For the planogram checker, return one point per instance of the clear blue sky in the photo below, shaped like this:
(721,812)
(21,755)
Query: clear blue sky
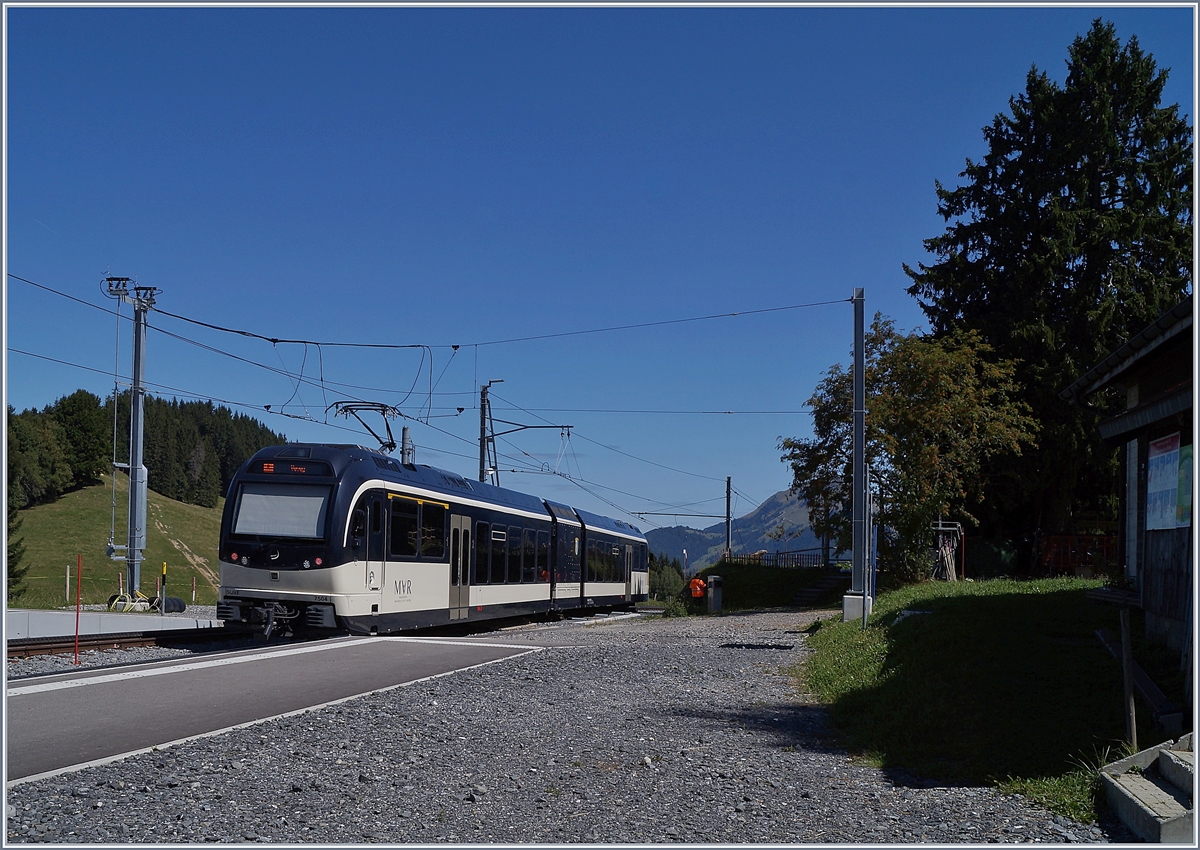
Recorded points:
(461,176)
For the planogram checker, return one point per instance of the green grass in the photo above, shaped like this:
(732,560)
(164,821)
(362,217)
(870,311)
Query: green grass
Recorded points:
(1002,683)
(79,523)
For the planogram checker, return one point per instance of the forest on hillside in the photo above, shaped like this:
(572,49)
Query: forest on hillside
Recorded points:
(191,449)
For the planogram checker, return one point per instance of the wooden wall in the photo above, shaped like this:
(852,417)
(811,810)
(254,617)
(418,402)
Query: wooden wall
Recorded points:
(1167,583)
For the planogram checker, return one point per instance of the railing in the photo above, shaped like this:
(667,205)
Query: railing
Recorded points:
(1078,554)
(790,560)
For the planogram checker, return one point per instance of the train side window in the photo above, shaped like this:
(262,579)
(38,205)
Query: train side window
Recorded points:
(433,531)
(543,556)
(358,528)
(482,544)
(376,517)
(528,555)
(404,529)
(499,549)
(514,554)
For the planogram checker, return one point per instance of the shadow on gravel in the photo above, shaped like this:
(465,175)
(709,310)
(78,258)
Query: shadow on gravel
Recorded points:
(803,728)
(786,726)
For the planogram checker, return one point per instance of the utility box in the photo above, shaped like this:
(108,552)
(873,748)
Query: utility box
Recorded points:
(714,594)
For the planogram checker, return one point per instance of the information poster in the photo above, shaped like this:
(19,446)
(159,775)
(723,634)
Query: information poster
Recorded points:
(1162,484)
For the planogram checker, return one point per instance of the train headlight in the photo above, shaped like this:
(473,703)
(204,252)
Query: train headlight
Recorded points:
(233,557)
(318,562)
(306,564)
(245,560)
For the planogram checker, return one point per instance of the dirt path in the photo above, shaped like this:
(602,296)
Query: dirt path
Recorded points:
(198,562)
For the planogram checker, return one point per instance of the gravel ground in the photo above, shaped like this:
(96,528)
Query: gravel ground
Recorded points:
(642,730)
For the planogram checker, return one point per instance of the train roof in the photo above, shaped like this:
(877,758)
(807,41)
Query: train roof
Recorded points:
(618,526)
(417,475)
(563,512)
(341,455)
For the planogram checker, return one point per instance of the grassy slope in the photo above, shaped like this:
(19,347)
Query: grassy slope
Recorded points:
(1004,682)
(745,586)
(185,536)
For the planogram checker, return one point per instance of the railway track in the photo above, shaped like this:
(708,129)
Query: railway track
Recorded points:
(26,647)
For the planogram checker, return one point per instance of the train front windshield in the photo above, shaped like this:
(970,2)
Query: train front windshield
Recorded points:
(281,510)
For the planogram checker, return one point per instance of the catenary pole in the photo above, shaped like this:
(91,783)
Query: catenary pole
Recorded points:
(859,483)
(728,517)
(142,299)
(485,415)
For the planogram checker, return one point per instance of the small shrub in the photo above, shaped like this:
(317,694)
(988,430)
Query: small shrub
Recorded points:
(674,608)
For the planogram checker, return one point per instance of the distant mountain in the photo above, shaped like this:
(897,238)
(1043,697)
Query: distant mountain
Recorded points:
(748,534)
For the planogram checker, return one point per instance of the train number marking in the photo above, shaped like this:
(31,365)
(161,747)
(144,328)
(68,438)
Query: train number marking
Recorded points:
(404,587)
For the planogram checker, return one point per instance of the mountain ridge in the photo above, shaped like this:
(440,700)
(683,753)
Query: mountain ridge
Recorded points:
(749,533)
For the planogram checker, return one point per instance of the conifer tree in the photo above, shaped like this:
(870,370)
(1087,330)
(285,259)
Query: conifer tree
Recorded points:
(1072,234)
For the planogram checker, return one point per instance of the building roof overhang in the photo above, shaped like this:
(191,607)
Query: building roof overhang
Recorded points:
(1166,327)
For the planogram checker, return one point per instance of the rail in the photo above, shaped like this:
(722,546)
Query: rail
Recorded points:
(27,647)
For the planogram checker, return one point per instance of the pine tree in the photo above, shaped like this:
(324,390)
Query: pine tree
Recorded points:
(87,434)
(1072,234)
(14,572)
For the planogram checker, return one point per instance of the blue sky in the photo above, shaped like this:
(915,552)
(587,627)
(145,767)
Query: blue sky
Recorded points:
(443,177)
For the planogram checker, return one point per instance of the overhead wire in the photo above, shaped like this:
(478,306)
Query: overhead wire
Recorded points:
(505,341)
(662,323)
(611,448)
(284,372)
(199,396)
(427,347)
(666,412)
(428,406)
(510,340)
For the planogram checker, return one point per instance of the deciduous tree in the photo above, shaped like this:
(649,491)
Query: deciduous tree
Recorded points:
(936,410)
(666,577)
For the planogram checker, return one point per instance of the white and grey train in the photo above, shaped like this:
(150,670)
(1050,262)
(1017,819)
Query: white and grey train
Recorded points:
(341,537)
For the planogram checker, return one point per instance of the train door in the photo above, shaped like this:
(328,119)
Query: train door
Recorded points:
(628,572)
(376,525)
(460,566)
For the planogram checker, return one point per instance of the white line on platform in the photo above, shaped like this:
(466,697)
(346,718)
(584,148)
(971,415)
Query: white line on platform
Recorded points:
(110,759)
(22,690)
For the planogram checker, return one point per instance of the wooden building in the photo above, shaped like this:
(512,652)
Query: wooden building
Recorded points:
(1154,435)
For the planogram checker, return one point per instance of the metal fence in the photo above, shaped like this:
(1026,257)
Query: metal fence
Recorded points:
(1079,554)
(805,559)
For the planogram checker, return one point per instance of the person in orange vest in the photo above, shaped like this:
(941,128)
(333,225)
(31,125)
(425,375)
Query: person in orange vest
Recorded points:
(697,586)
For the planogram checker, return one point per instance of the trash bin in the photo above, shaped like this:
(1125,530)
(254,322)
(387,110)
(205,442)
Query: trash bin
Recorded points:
(714,594)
